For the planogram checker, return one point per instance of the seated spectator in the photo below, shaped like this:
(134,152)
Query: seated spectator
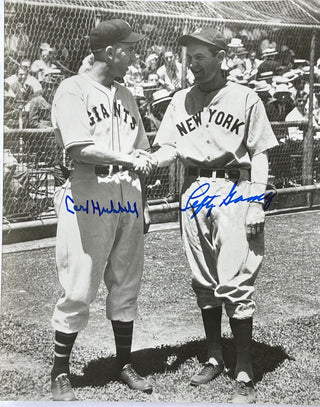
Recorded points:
(266,43)
(286,57)
(252,62)
(134,77)
(29,79)
(239,60)
(151,66)
(227,63)
(233,46)
(300,86)
(316,91)
(20,88)
(299,63)
(11,110)
(153,79)
(299,113)
(62,51)
(262,88)
(269,63)
(39,107)
(282,104)
(39,111)
(170,74)
(150,87)
(161,100)
(40,66)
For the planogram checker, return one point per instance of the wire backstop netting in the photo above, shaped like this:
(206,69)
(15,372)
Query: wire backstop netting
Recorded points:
(47,41)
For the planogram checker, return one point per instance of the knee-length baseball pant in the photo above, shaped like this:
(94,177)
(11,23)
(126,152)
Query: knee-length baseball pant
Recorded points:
(224,263)
(90,247)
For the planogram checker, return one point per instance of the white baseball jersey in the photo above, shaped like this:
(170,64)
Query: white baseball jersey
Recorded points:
(100,217)
(226,133)
(82,114)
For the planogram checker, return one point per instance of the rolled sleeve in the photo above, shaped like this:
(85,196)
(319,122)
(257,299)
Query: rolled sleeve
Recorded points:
(260,134)
(70,118)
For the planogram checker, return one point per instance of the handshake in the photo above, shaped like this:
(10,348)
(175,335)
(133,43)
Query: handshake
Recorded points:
(143,162)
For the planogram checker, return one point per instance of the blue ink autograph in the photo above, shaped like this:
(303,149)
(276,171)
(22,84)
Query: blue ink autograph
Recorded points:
(207,201)
(95,207)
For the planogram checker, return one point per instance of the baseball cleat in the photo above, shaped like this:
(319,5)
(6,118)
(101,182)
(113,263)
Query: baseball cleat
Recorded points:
(61,388)
(244,393)
(207,373)
(130,377)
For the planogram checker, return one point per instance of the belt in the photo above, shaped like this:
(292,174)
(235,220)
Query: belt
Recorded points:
(108,170)
(214,173)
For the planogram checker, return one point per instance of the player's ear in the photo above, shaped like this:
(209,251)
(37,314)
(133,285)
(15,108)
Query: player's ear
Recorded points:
(109,52)
(221,55)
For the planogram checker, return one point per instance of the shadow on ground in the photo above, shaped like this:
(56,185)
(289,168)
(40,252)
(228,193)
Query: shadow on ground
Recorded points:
(165,359)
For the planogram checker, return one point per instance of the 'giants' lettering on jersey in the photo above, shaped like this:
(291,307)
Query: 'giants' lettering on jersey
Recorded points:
(98,113)
(220,118)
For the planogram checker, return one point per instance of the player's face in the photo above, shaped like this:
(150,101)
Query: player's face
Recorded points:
(204,65)
(124,56)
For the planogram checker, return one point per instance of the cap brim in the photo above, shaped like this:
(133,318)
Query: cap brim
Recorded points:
(185,39)
(134,37)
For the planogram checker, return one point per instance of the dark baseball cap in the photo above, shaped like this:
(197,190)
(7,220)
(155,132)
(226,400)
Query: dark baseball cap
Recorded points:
(112,31)
(208,35)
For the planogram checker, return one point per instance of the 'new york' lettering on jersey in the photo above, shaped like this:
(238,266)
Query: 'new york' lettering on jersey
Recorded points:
(220,134)
(220,118)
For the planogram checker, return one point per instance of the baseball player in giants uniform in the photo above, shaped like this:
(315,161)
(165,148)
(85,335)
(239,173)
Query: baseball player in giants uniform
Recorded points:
(221,134)
(100,213)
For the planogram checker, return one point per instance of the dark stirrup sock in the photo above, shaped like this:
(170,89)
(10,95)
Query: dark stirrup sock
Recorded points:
(212,325)
(123,339)
(242,333)
(63,344)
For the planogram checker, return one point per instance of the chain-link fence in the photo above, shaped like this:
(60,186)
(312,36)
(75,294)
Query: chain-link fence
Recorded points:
(271,44)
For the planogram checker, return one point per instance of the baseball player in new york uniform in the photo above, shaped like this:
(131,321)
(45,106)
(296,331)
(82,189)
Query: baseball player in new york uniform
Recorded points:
(100,213)
(221,134)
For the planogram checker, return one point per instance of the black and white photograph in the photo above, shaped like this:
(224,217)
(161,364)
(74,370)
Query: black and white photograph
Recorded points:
(160,202)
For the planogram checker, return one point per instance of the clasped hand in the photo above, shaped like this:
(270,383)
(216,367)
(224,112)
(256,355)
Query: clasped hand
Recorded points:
(143,162)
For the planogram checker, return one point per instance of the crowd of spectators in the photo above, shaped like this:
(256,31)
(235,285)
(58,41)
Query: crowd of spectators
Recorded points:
(29,91)
(274,71)
(278,76)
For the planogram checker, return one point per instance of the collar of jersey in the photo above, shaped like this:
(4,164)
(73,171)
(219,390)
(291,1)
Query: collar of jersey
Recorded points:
(98,85)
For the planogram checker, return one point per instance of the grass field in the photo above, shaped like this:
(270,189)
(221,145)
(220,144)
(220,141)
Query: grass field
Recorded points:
(168,337)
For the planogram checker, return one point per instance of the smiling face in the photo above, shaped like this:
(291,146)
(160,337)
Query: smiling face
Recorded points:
(205,64)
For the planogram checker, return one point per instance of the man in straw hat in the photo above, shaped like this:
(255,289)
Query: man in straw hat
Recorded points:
(269,62)
(281,104)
